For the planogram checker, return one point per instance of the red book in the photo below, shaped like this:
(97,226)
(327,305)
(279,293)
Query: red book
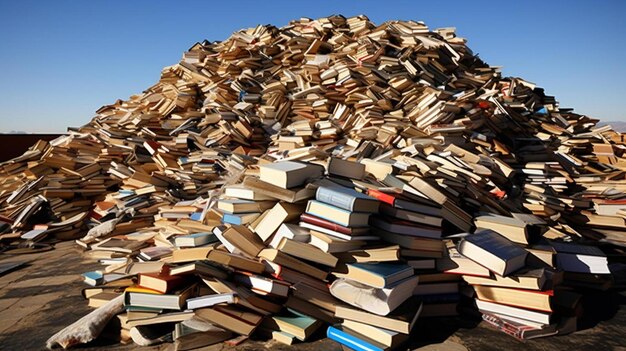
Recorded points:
(305,217)
(382,197)
(160,282)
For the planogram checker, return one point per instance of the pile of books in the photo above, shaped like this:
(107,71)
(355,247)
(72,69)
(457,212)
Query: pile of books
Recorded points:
(266,176)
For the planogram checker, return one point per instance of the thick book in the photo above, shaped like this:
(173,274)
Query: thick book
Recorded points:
(531,316)
(380,301)
(236,261)
(346,198)
(230,317)
(307,252)
(531,299)
(160,282)
(377,275)
(531,279)
(346,168)
(415,217)
(290,231)
(240,218)
(337,215)
(262,285)
(275,217)
(236,206)
(410,242)
(406,227)
(294,323)
(456,263)
(514,229)
(210,300)
(320,222)
(580,258)
(331,244)
(354,340)
(194,240)
(381,253)
(289,174)
(139,297)
(243,239)
(276,192)
(493,251)
(389,338)
(242,192)
(288,261)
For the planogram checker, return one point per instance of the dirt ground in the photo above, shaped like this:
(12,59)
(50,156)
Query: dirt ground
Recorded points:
(43,296)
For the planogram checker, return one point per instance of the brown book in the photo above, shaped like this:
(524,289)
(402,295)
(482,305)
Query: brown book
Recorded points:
(236,261)
(276,192)
(401,320)
(243,239)
(283,259)
(230,317)
(190,255)
(374,254)
(306,252)
(160,282)
(309,309)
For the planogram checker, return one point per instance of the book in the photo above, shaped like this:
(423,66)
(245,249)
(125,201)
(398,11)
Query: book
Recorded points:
(141,297)
(241,192)
(289,174)
(307,308)
(346,198)
(406,228)
(236,261)
(190,254)
(297,324)
(330,244)
(580,258)
(380,301)
(337,215)
(286,260)
(263,285)
(289,231)
(162,283)
(530,299)
(415,217)
(276,192)
(307,252)
(319,224)
(346,168)
(537,317)
(438,288)
(230,317)
(402,319)
(377,275)
(243,239)
(170,317)
(279,214)
(456,263)
(493,251)
(240,218)
(353,340)
(194,240)
(389,338)
(410,242)
(93,278)
(236,206)
(531,279)
(154,253)
(210,300)
(381,253)
(197,336)
(514,229)
(201,268)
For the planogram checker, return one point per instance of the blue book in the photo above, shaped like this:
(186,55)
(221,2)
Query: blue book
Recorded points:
(346,198)
(378,275)
(353,339)
(239,218)
(196,216)
(93,278)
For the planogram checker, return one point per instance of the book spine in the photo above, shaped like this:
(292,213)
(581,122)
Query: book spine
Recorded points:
(325,224)
(335,198)
(382,197)
(349,340)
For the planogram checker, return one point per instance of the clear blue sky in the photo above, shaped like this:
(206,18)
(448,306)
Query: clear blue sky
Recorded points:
(62,60)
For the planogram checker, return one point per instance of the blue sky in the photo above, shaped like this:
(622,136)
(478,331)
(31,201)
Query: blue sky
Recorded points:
(62,60)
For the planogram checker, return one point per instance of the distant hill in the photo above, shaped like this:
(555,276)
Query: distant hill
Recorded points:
(619,126)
